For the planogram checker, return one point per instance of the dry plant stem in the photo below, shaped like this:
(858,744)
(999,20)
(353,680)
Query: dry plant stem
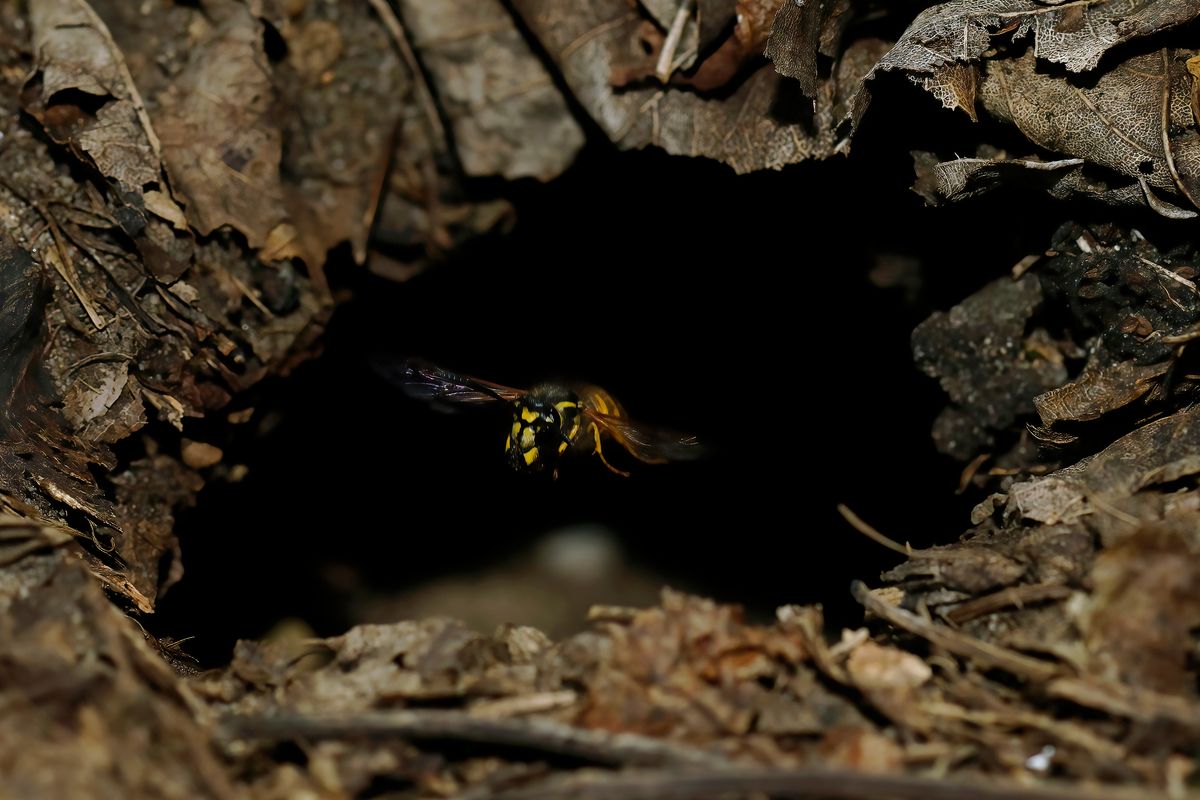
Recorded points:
(252,296)
(1012,596)
(1026,263)
(66,269)
(424,93)
(800,783)
(874,535)
(1065,732)
(61,259)
(1126,701)
(599,30)
(862,527)
(957,643)
(1166,273)
(1165,127)
(521,705)
(548,736)
(1165,209)
(1182,338)
(429,109)
(666,58)
(12,555)
(968,473)
(1114,512)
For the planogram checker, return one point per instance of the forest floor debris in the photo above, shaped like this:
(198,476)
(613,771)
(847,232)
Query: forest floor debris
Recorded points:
(173,177)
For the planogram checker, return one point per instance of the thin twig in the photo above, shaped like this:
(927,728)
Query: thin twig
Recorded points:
(1166,273)
(1016,718)
(932,553)
(1182,338)
(666,58)
(862,527)
(1165,129)
(392,22)
(968,473)
(523,704)
(549,736)
(61,260)
(1121,700)
(98,358)
(843,784)
(66,269)
(11,555)
(1025,264)
(960,644)
(437,133)
(1114,512)
(589,35)
(1161,206)
(1017,596)
(251,295)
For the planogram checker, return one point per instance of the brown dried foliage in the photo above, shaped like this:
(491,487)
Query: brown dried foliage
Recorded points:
(172,178)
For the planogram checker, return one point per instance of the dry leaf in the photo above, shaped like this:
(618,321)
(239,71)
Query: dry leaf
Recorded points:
(76,54)
(936,46)
(967,568)
(148,493)
(743,46)
(1135,119)
(761,124)
(1049,500)
(1097,392)
(124,328)
(348,91)
(104,404)
(1159,452)
(507,116)
(963,178)
(220,140)
(804,29)
(1074,34)
(956,85)
(1066,179)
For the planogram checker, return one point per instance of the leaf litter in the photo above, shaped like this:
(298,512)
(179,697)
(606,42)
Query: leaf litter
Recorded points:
(172,177)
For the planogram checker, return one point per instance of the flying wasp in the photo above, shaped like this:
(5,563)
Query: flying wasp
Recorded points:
(549,419)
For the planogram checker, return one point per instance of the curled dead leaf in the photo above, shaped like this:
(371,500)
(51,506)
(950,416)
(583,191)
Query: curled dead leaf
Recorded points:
(1135,119)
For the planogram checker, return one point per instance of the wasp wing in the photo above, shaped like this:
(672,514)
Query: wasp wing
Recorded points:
(425,381)
(646,443)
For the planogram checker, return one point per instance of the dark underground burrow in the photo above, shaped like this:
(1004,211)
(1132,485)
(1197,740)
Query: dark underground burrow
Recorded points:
(739,308)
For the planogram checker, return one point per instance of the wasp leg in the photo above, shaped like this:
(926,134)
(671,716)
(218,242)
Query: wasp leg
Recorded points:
(603,460)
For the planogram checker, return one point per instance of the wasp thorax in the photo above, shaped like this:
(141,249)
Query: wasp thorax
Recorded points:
(535,435)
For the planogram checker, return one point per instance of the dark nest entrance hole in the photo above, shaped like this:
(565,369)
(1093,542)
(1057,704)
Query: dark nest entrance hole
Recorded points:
(748,310)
